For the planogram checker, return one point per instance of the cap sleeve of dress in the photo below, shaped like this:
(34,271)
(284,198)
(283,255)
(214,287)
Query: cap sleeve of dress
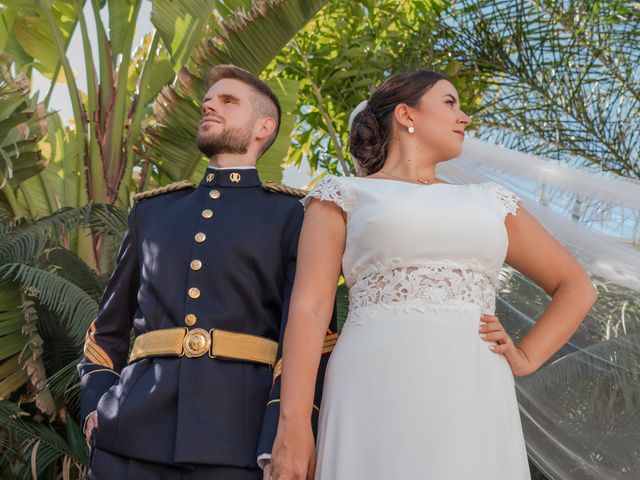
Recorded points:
(507,200)
(330,189)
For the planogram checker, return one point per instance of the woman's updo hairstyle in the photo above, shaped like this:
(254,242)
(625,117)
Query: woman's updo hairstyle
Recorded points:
(371,128)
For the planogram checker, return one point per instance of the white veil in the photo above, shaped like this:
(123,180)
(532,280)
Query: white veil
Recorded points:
(581,410)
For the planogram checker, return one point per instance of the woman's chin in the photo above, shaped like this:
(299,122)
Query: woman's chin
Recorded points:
(453,151)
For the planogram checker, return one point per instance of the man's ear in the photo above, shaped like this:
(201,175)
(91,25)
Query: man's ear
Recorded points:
(265,128)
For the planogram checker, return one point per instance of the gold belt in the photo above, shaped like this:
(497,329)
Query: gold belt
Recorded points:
(197,342)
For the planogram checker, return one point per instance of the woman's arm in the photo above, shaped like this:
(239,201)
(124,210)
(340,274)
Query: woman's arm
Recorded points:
(320,252)
(535,253)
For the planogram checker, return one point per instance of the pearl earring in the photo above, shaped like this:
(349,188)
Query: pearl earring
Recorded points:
(411,129)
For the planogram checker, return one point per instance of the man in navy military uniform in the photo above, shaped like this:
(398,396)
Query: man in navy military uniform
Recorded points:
(203,277)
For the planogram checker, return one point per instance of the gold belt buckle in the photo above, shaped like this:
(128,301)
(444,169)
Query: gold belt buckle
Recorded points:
(197,342)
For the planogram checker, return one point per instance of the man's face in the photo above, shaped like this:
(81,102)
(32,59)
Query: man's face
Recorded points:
(228,118)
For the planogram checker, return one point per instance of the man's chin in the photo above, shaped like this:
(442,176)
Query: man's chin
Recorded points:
(215,142)
(209,125)
(207,131)
(209,150)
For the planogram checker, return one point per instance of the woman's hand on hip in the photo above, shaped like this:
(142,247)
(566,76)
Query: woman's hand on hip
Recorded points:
(491,330)
(293,456)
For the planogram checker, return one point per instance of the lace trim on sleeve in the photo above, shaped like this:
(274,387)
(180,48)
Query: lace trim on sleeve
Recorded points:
(329,189)
(508,200)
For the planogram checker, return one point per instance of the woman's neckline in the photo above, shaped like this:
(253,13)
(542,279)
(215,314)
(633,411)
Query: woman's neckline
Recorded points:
(420,184)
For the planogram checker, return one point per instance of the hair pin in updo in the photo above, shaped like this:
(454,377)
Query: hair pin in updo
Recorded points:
(361,106)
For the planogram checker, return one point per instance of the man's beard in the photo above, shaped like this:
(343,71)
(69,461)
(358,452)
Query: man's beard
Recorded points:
(230,140)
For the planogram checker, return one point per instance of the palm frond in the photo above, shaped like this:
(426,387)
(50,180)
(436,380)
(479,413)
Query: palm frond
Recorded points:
(74,306)
(587,402)
(180,25)
(69,266)
(604,378)
(41,442)
(31,362)
(108,220)
(12,341)
(22,126)
(64,384)
(27,241)
(562,77)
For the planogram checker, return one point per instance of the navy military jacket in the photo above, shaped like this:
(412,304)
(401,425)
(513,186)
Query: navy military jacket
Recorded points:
(195,410)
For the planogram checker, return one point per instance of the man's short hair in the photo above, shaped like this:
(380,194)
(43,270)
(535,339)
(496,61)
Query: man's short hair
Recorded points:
(266,104)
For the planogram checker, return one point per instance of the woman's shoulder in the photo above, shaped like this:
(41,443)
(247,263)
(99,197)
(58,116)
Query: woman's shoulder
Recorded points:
(507,200)
(331,188)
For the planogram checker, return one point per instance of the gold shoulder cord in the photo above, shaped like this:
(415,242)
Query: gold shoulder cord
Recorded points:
(172,187)
(281,188)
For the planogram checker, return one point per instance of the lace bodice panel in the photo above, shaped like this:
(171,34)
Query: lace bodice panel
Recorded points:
(413,246)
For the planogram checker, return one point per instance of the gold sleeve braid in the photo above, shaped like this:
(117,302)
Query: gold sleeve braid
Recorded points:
(94,352)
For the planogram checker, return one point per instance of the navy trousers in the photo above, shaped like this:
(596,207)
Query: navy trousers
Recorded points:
(108,466)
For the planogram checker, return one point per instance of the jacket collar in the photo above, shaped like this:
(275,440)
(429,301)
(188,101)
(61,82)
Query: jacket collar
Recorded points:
(231,177)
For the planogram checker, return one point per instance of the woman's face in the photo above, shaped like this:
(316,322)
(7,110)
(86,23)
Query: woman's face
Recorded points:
(438,121)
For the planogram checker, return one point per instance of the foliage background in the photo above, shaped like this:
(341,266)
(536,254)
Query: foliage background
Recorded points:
(555,78)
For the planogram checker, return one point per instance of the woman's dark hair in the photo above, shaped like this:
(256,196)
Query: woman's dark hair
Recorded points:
(371,128)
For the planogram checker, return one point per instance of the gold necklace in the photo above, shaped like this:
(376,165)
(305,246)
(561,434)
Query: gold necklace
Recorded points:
(423,181)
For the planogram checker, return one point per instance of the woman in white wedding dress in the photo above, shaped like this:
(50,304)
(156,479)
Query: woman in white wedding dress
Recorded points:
(420,384)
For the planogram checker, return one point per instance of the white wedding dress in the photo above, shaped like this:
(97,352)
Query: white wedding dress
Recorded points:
(411,390)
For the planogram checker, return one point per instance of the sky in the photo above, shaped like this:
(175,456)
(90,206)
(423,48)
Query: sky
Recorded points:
(60,97)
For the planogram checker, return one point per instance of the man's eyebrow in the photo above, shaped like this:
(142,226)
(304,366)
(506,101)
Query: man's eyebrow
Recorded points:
(228,96)
(224,96)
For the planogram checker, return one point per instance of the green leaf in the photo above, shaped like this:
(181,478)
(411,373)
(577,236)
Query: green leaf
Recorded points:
(227,7)
(22,126)
(271,164)
(120,17)
(251,40)
(12,375)
(70,267)
(180,26)
(47,443)
(7,17)
(12,342)
(74,306)
(27,242)
(34,35)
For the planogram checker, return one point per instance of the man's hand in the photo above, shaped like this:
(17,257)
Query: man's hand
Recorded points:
(89,425)
(266,472)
